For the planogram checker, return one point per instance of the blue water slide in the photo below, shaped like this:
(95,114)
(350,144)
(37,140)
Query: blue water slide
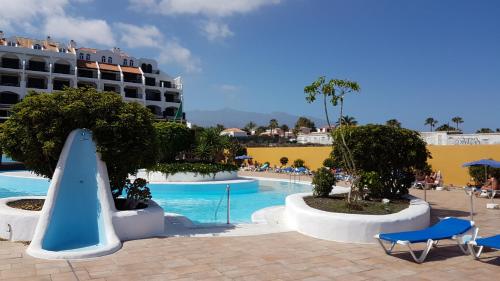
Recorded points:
(76,219)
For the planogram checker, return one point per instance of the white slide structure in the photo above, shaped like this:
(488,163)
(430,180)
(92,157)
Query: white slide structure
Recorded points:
(76,219)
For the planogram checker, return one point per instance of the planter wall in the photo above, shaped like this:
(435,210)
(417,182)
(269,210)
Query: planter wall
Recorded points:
(158,177)
(352,228)
(128,225)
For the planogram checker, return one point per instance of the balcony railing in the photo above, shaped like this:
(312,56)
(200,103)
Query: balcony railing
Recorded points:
(132,80)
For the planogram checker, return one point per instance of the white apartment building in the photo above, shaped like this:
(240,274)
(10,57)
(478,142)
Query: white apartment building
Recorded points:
(445,138)
(45,66)
(316,138)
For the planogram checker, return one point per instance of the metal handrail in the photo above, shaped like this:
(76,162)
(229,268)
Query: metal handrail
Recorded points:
(228,213)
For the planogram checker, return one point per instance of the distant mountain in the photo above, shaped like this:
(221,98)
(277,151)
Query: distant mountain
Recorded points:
(235,118)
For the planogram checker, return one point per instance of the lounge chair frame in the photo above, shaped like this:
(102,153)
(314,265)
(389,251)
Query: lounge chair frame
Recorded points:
(472,245)
(432,243)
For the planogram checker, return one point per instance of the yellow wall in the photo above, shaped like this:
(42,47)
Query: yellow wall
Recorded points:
(446,158)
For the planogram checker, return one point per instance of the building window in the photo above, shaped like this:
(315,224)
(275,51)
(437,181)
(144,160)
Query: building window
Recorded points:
(37,47)
(125,62)
(103,59)
(110,60)
(12,44)
(87,57)
(81,56)
(131,63)
(62,50)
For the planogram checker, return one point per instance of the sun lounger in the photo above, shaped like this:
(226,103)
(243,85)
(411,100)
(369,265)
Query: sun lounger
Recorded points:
(447,228)
(492,242)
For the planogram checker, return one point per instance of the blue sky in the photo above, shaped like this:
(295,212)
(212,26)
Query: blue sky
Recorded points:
(413,59)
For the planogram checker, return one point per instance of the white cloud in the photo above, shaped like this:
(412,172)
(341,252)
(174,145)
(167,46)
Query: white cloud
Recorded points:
(214,30)
(83,31)
(210,8)
(139,36)
(228,88)
(173,52)
(23,13)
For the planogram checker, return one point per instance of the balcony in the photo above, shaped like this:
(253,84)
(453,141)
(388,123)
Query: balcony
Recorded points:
(10,63)
(132,93)
(153,95)
(37,66)
(60,84)
(84,73)
(11,81)
(110,76)
(63,69)
(150,81)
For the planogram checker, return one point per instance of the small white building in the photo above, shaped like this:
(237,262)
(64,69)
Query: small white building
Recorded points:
(234,132)
(316,138)
(445,138)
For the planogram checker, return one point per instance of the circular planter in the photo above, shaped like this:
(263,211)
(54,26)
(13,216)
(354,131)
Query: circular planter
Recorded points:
(19,225)
(352,228)
(158,177)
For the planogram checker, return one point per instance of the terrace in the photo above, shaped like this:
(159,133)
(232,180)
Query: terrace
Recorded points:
(214,254)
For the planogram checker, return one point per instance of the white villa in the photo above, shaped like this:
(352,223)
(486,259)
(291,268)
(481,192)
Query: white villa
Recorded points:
(46,66)
(234,132)
(445,138)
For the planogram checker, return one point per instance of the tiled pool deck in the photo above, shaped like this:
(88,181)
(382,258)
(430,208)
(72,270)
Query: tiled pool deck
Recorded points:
(279,256)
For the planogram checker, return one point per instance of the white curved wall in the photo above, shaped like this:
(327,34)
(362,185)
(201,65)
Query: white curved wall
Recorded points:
(22,223)
(138,224)
(351,227)
(157,177)
(129,225)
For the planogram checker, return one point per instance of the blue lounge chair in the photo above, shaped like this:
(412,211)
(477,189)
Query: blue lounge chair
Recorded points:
(492,242)
(447,228)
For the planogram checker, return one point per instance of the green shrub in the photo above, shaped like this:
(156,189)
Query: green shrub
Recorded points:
(478,174)
(210,145)
(137,192)
(329,162)
(297,163)
(371,181)
(39,125)
(284,160)
(392,153)
(323,182)
(197,168)
(173,139)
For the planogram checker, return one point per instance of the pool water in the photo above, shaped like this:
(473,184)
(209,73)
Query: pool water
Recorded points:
(201,203)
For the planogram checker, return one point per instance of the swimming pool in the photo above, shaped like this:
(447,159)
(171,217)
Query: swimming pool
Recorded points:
(201,203)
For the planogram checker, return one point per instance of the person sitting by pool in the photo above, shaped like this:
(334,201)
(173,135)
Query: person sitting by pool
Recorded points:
(491,184)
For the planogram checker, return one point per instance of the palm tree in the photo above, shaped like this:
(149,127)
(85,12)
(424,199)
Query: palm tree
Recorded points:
(457,120)
(393,123)
(347,120)
(334,90)
(284,128)
(273,124)
(431,122)
(249,127)
(343,87)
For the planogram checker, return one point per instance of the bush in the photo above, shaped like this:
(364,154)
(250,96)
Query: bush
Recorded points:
(284,160)
(210,145)
(197,168)
(39,125)
(323,182)
(137,192)
(394,154)
(329,162)
(371,181)
(478,173)
(173,139)
(297,163)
